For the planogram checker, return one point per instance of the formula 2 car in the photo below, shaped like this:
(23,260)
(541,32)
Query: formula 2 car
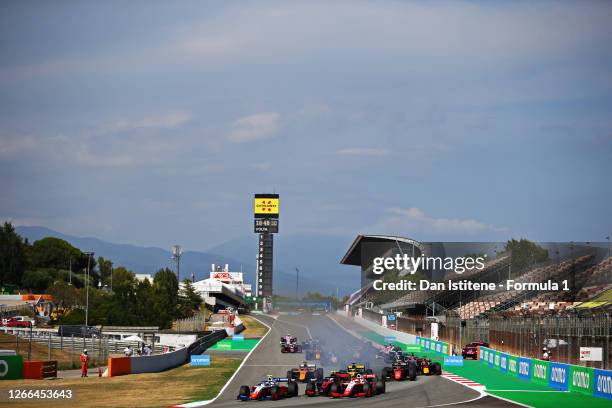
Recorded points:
(402,369)
(269,389)
(354,369)
(289,344)
(390,353)
(427,367)
(306,372)
(341,384)
(312,349)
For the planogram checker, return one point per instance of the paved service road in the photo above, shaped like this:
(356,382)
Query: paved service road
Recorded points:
(267,359)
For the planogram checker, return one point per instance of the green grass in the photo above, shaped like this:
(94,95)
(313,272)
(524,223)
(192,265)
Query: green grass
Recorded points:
(229,344)
(554,399)
(216,375)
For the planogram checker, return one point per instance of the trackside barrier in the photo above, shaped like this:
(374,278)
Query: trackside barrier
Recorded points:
(11,367)
(119,366)
(37,370)
(559,376)
(439,347)
(160,362)
(32,370)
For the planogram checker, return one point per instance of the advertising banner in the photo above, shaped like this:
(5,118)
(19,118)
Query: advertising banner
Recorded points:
(591,353)
(496,359)
(484,354)
(512,365)
(438,347)
(581,379)
(200,361)
(539,371)
(453,361)
(602,386)
(503,362)
(492,358)
(524,368)
(11,367)
(444,348)
(559,376)
(389,339)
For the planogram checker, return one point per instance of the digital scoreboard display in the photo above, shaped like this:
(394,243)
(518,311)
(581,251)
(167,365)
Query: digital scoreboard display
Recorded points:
(269,225)
(266,206)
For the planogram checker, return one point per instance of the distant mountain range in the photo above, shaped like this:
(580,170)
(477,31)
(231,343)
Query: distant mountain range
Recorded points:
(317,258)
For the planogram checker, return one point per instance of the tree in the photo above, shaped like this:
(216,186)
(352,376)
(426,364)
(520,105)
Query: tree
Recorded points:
(165,290)
(37,279)
(525,253)
(64,295)
(105,267)
(189,299)
(51,252)
(12,255)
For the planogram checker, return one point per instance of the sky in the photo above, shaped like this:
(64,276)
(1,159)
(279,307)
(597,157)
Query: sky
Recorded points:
(154,123)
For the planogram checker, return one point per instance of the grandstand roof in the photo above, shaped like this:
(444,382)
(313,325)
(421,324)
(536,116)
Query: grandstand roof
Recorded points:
(353,255)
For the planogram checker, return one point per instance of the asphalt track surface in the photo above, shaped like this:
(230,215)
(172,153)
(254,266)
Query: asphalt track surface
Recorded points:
(426,391)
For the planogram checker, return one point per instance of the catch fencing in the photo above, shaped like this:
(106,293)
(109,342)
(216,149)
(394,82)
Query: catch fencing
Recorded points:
(43,344)
(525,335)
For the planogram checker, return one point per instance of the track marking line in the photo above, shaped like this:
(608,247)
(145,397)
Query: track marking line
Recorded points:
(269,365)
(511,401)
(195,404)
(528,391)
(464,381)
(296,324)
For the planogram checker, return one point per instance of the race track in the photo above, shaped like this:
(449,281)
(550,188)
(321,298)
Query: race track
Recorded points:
(267,359)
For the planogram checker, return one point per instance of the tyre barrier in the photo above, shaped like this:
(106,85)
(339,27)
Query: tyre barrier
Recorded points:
(558,376)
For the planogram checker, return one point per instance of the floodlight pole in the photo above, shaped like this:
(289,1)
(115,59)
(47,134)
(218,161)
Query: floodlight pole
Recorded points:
(89,255)
(297,284)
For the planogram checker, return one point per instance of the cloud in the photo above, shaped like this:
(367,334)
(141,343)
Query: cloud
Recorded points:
(363,151)
(416,220)
(161,121)
(255,127)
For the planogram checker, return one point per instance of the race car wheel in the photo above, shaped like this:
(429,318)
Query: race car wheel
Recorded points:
(381,387)
(412,371)
(274,393)
(369,371)
(367,390)
(334,389)
(436,368)
(292,389)
(386,371)
(289,374)
(245,391)
(310,389)
(309,355)
(319,374)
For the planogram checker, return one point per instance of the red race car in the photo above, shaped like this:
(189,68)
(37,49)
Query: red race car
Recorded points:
(402,369)
(272,388)
(342,384)
(289,344)
(471,350)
